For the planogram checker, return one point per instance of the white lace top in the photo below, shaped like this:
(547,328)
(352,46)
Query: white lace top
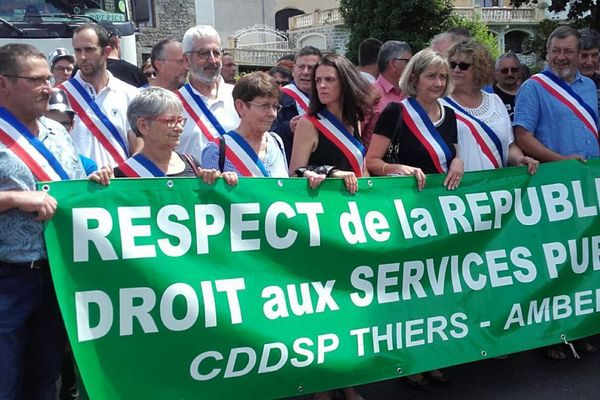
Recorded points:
(493,112)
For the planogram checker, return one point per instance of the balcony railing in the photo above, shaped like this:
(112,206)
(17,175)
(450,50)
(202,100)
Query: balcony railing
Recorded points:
(254,57)
(500,15)
(330,16)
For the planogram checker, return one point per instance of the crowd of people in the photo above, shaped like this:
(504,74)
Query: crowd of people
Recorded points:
(447,109)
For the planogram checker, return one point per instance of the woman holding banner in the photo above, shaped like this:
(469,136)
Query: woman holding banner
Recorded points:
(327,140)
(155,115)
(418,136)
(251,150)
(488,141)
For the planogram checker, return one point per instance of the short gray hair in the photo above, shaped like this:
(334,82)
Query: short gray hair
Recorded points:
(196,33)
(505,56)
(417,65)
(150,103)
(590,39)
(390,50)
(563,32)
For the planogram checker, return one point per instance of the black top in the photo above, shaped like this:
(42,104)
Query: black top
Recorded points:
(327,153)
(126,72)
(405,148)
(508,100)
(189,170)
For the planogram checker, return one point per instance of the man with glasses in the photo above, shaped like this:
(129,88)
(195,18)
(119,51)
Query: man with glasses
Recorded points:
(32,149)
(62,64)
(296,96)
(391,60)
(168,62)
(508,75)
(556,111)
(207,100)
(100,100)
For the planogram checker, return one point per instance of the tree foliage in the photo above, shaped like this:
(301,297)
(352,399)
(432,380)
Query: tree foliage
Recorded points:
(585,13)
(412,21)
(479,31)
(537,44)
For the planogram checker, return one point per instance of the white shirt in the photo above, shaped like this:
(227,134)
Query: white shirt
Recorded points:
(113,100)
(370,78)
(493,112)
(192,140)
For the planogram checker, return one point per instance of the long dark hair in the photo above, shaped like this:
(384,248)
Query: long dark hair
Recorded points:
(357,93)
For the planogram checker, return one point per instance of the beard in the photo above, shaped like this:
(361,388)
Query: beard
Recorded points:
(209,77)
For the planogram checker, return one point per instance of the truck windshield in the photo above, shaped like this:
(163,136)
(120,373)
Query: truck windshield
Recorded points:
(16,11)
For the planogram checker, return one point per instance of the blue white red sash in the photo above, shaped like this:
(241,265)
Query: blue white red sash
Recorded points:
(417,120)
(139,166)
(333,129)
(337,133)
(302,101)
(486,138)
(105,132)
(199,113)
(565,94)
(239,152)
(29,149)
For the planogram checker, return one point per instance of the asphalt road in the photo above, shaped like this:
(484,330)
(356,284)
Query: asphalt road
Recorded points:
(528,376)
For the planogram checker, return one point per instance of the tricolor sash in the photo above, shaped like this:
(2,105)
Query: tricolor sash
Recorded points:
(105,132)
(139,166)
(239,152)
(302,101)
(337,133)
(417,120)
(29,149)
(567,96)
(199,112)
(486,138)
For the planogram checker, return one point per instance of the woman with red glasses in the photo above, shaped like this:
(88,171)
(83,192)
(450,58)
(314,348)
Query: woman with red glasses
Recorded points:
(155,115)
(489,140)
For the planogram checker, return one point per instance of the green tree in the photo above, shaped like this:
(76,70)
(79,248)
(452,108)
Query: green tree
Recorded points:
(585,13)
(479,31)
(537,44)
(412,21)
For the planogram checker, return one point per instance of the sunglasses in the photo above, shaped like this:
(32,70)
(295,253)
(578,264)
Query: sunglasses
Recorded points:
(150,74)
(509,70)
(463,66)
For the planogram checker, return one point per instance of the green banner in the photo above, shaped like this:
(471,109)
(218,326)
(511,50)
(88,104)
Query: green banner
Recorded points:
(173,289)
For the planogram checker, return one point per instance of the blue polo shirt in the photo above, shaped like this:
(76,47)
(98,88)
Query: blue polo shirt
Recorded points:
(552,123)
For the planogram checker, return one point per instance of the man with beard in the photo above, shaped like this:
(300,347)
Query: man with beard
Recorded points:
(207,100)
(508,73)
(33,148)
(556,111)
(100,101)
(296,96)
(168,62)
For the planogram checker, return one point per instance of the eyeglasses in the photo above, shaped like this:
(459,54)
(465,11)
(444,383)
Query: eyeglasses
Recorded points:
(463,66)
(205,53)
(402,59)
(36,80)
(58,68)
(150,74)
(170,122)
(282,83)
(267,106)
(555,51)
(509,70)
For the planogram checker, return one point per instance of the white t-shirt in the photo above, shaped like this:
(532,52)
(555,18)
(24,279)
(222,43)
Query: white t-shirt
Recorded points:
(493,112)
(113,100)
(192,140)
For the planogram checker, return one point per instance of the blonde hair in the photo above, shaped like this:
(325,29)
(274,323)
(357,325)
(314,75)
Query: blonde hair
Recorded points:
(481,60)
(417,65)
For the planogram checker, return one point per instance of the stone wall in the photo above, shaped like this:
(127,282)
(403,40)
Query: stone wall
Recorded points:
(335,38)
(171,19)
